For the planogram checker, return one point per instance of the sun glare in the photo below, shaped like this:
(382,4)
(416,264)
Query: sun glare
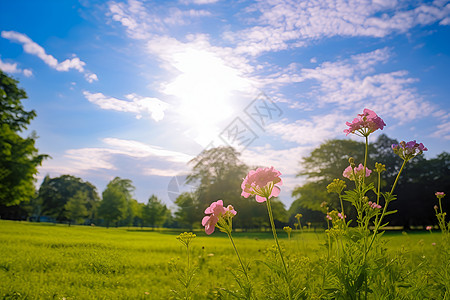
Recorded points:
(206,88)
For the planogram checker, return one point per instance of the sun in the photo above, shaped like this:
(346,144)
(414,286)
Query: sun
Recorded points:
(206,88)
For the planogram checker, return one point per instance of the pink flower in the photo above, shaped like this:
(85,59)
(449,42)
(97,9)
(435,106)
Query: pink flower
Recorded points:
(440,195)
(359,172)
(216,210)
(365,123)
(373,205)
(341,216)
(429,227)
(408,150)
(264,183)
(329,217)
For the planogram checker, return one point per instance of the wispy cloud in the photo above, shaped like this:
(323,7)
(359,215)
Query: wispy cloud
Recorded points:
(12,68)
(309,132)
(33,48)
(136,104)
(287,24)
(141,158)
(143,22)
(355,82)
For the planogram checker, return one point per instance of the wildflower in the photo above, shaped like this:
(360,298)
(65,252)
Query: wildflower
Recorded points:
(358,171)
(373,205)
(329,217)
(336,186)
(216,211)
(434,244)
(298,216)
(341,216)
(429,227)
(380,167)
(186,238)
(324,204)
(262,182)
(287,229)
(440,195)
(408,150)
(365,123)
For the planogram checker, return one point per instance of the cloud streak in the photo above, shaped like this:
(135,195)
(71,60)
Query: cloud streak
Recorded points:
(12,68)
(290,23)
(33,48)
(140,106)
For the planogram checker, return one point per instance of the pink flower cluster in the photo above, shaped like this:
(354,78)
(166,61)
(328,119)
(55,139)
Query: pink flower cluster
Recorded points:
(365,123)
(216,211)
(359,172)
(440,195)
(408,150)
(341,216)
(374,205)
(262,182)
(329,217)
(429,228)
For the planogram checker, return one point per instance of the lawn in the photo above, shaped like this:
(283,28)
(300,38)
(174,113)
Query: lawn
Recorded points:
(48,261)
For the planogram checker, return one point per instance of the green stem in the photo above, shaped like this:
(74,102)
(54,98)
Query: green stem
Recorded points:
(244,269)
(365,158)
(377,225)
(269,209)
(398,176)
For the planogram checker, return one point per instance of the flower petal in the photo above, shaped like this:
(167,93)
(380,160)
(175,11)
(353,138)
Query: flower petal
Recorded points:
(260,199)
(275,191)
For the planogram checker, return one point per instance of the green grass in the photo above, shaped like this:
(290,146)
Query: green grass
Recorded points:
(47,261)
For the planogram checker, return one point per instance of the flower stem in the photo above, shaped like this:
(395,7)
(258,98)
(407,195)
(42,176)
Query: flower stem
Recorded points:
(365,158)
(269,209)
(244,269)
(377,225)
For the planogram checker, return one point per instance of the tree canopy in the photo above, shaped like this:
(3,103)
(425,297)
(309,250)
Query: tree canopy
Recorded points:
(19,158)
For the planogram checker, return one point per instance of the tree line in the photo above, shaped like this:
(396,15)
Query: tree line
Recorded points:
(217,173)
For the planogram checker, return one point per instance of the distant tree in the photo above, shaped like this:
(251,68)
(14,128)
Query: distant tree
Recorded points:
(19,157)
(218,172)
(117,202)
(54,193)
(155,212)
(113,206)
(134,213)
(75,208)
(189,210)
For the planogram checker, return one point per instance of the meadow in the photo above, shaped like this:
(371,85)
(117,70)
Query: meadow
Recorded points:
(49,261)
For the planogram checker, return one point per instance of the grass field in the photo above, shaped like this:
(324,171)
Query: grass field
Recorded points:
(48,261)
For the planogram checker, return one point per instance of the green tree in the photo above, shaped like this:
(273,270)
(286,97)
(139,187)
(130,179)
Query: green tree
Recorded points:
(114,206)
(75,208)
(155,212)
(19,157)
(54,193)
(189,210)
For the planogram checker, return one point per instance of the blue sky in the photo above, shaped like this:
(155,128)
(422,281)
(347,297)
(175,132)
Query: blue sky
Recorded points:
(138,88)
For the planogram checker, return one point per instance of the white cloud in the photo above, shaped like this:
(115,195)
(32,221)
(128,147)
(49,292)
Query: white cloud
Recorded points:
(309,132)
(442,131)
(139,157)
(354,82)
(198,2)
(143,22)
(161,172)
(291,23)
(135,104)
(90,77)
(140,150)
(33,48)
(12,68)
